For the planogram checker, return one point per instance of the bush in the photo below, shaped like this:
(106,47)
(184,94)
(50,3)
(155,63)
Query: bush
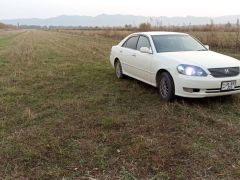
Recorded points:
(145,26)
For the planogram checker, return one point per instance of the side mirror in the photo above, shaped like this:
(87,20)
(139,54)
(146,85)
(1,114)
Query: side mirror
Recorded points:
(145,50)
(207,46)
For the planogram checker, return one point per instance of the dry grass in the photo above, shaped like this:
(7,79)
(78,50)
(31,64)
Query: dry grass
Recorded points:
(107,33)
(63,114)
(218,39)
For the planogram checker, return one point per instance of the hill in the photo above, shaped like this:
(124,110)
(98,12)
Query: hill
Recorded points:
(120,20)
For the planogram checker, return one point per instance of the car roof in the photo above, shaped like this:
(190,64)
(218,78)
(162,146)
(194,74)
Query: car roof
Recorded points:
(150,33)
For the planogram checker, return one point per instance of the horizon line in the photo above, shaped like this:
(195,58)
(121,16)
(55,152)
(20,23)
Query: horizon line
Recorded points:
(118,15)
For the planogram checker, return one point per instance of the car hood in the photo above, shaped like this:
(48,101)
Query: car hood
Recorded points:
(205,59)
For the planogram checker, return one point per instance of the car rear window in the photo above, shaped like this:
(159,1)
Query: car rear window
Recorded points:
(131,43)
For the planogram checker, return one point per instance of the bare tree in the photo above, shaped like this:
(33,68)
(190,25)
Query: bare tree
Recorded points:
(211,36)
(238,34)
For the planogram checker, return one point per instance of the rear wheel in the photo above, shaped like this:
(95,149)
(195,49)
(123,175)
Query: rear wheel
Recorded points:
(118,70)
(166,87)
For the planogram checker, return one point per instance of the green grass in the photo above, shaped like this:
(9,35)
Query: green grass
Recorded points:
(63,114)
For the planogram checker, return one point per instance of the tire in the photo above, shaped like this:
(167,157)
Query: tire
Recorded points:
(118,70)
(166,87)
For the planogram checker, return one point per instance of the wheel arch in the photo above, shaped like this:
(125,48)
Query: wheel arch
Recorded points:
(159,72)
(116,59)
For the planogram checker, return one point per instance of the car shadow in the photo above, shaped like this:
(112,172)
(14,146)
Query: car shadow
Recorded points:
(207,100)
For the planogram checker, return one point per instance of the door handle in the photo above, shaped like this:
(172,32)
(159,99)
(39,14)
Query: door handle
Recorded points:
(121,51)
(134,55)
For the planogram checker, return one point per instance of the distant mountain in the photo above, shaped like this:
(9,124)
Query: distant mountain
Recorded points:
(120,20)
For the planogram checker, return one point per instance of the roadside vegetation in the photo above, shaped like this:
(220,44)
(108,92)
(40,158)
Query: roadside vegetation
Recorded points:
(6,27)
(64,115)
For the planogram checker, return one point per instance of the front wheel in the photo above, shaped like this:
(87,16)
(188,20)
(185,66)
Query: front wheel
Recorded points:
(118,70)
(166,87)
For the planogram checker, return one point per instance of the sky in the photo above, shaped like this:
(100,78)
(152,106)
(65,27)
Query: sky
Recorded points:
(11,9)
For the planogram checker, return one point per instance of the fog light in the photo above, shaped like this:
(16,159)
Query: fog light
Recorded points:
(191,90)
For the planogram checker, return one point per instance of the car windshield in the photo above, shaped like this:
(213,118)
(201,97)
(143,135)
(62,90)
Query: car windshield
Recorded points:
(176,43)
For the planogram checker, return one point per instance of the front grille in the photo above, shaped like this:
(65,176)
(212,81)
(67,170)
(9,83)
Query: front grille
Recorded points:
(224,72)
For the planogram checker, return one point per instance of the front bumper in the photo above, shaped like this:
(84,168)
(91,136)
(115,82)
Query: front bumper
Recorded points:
(203,86)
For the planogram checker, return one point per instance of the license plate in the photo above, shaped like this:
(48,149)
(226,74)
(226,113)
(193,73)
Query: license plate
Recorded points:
(228,85)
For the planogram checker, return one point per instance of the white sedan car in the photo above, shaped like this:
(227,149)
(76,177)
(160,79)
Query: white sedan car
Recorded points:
(176,63)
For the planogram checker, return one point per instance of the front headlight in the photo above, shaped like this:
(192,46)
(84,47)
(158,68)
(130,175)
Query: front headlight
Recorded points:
(190,70)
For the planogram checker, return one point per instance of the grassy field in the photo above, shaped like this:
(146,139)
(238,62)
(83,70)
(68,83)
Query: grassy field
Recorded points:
(64,115)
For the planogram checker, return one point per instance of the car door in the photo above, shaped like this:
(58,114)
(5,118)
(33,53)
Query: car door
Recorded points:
(142,61)
(128,54)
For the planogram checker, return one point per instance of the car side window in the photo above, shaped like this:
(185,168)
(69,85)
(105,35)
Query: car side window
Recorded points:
(143,42)
(131,43)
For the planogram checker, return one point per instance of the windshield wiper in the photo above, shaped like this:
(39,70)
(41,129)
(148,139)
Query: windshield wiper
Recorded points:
(202,50)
